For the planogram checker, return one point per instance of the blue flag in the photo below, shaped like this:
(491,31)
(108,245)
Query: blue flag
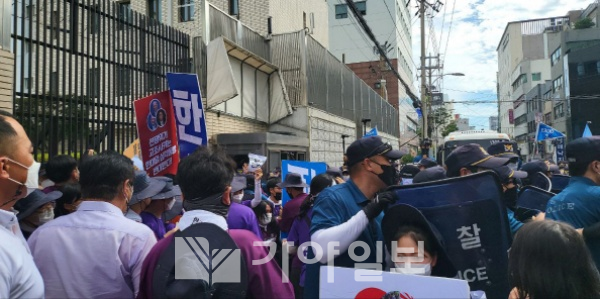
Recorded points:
(545,131)
(419,113)
(372,132)
(587,132)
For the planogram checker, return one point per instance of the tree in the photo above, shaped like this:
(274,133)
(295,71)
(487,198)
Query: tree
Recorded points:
(407,159)
(451,127)
(584,23)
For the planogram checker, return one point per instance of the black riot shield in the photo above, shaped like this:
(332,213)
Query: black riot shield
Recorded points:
(472,219)
(534,198)
(559,182)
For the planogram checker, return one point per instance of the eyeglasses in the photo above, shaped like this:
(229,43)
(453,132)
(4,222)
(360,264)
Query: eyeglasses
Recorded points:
(380,150)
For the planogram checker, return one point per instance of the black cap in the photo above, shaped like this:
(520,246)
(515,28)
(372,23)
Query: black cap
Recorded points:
(435,173)
(504,149)
(292,180)
(505,173)
(403,214)
(472,154)
(427,163)
(34,201)
(409,171)
(368,147)
(583,150)
(535,166)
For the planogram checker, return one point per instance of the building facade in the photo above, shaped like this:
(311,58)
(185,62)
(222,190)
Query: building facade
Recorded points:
(493,123)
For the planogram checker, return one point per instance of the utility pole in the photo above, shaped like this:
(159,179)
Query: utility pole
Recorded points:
(424,96)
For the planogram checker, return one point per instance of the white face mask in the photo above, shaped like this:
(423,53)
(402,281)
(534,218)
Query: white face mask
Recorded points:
(238,197)
(268,218)
(415,269)
(346,177)
(46,216)
(171,204)
(33,177)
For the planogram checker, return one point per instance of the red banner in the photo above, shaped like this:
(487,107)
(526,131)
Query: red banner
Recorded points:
(157,132)
(511,116)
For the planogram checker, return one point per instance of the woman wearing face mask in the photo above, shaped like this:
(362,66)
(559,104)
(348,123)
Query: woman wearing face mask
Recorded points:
(35,210)
(160,203)
(241,216)
(405,227)
(300,231)
(267,223)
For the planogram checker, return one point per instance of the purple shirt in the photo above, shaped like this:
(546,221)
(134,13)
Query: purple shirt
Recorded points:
(290,212)
(155,224)
(51,189)
(300,234)
(242,217)
(264,280)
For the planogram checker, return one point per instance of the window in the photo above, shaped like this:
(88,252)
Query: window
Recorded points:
(362,7)
(186,10)
(559,111)
(53,83)
(341,11)
(54,24)
(557,84)
(234,7)
(154,79)
(29,11)
(154,9)
(521,120)
(125,15)
(93,84)
(555,56)
(123,81)
(548,118)
(94,15)
(536,76)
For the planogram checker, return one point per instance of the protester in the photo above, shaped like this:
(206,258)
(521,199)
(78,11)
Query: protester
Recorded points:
(506,149)
(205,177)
(578,203)
(471,158)
(294,186)
(61,170)
(69,201)
(36,210)
(275,193)
(536,272)
(336,173)
(538,174)
(161,202)
(300,231)
(435,173)
(241,216)
(95,252)
(426,163)
(404,227)
(144,187)
(19,277)
(268,225)
(352,211)
(253,192)
(408,173)
(345,173)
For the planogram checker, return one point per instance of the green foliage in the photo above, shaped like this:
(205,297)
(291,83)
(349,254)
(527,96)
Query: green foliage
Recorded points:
(584,23)
(407,159)
(451,127)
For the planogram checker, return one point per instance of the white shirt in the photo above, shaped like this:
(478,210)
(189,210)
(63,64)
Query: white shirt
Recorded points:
(19,277)
(94,252)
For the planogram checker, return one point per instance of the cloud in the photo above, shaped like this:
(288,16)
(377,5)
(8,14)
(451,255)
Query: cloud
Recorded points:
(477,28)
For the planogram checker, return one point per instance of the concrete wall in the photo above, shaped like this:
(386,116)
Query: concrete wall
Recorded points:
(223,123)
(288,16)
(7,63)
(326,132)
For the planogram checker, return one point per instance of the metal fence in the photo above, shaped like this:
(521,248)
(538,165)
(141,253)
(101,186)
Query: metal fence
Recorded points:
(314,77)
(80,64)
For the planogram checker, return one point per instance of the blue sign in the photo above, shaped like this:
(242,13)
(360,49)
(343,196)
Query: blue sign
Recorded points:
(373,132)
(419,113)
(587,132)
(307,170)
(560,149)
(545,131)
(189,112)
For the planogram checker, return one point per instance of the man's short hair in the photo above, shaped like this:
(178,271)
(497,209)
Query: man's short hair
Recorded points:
(59,168)
(102,176)
(7,134)
(581,152)
(272,183)
(207,171)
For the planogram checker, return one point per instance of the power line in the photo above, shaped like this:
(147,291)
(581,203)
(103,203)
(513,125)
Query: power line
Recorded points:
(401,34)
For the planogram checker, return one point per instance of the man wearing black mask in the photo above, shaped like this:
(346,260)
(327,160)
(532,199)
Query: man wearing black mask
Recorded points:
(353,211)
(275,193)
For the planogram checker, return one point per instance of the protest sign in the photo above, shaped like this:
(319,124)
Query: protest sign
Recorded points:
(472,220)
(189,112)
(156,131)
(337,282)
(134,152)
(256,162)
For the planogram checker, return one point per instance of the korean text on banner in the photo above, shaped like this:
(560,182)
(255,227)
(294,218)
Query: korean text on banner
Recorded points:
(189,112)
(156,131)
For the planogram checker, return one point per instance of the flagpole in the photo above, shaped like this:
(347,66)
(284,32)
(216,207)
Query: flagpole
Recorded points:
(535,145)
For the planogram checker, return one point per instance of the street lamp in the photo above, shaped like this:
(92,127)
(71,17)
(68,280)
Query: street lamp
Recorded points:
(365,121)
(344,136)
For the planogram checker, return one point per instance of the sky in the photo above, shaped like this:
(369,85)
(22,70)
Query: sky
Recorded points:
(477,28)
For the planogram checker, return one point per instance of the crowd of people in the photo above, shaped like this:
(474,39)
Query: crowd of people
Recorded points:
(99,228)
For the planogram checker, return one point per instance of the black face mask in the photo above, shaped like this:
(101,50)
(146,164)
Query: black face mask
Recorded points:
(278,196)
(212,204)
(510,198)
(389,176)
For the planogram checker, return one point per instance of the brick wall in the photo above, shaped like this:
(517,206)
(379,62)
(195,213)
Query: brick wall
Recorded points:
(231,124)
(371,72)
(6,80)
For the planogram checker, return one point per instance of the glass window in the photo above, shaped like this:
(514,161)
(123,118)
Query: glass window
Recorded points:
(54,24)
(234,7)
(362,7)
(186,10)
(93,82)
(536,76)
(154,9)
(123,81)
(125,15)
(341,11)
(555,56)
(94,15)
